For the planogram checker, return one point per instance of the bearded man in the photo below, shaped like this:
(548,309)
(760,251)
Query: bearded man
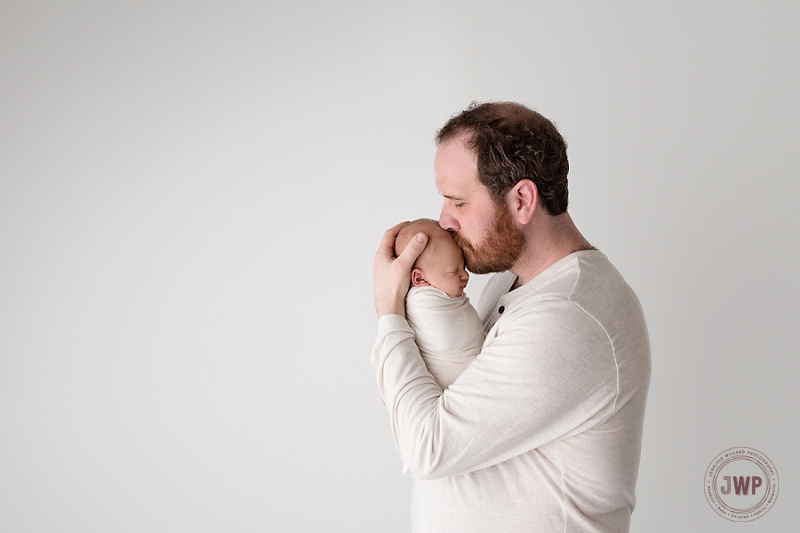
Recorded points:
(543,431)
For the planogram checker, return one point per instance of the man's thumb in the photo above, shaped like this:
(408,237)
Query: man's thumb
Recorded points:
(413,249)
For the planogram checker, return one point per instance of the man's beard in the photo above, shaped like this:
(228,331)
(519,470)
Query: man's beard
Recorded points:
(501,246)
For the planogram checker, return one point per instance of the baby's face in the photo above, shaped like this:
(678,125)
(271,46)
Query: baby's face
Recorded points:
(444,269)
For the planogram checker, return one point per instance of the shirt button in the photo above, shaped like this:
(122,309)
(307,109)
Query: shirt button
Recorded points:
(502,308)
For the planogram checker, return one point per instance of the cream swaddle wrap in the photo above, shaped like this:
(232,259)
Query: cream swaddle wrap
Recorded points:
(449,332)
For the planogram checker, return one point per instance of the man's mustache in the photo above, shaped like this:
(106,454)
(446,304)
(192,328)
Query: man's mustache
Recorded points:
(460,241)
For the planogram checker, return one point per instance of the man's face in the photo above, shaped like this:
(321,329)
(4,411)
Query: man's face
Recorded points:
(500,248)
(483,229)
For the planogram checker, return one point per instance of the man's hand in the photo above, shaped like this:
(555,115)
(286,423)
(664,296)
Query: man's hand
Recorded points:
(391,275)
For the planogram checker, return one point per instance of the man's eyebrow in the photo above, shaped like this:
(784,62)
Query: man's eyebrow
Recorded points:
(452,197)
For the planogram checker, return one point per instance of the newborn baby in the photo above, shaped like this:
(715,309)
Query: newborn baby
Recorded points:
(448,331)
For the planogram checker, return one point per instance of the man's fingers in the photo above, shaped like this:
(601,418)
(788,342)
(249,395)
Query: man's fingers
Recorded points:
(412,250)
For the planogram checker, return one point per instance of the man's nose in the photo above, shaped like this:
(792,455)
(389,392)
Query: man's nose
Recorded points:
(446,222)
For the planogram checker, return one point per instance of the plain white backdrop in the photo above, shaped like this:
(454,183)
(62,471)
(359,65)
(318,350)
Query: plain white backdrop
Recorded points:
(191,194)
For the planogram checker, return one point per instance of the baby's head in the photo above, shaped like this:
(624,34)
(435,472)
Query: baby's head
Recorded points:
(441,263)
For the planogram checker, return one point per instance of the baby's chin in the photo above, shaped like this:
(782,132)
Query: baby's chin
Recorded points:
(457,294)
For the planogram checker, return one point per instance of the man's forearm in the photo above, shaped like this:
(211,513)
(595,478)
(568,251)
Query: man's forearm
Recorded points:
(390,306)
(514,397)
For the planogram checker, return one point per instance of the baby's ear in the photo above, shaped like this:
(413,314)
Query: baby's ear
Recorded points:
(418,278)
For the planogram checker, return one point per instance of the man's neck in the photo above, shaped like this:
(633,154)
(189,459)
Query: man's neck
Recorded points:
(550,241)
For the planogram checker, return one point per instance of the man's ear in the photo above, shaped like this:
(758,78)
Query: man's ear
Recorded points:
(418,278)
(524,199)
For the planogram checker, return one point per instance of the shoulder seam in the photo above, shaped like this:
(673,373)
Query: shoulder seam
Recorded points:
(577,279)
(613,351)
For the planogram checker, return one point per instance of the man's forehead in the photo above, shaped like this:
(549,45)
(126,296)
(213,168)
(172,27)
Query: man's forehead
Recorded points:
(457,183)
(455,151)
(455,169)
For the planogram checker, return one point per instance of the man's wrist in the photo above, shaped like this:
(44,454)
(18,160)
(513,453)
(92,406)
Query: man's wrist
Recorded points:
(391,309)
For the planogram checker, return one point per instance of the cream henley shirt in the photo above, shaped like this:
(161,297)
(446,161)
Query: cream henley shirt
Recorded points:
(542,432)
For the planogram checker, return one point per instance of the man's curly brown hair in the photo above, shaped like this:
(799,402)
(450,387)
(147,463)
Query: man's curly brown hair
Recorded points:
(514,143)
